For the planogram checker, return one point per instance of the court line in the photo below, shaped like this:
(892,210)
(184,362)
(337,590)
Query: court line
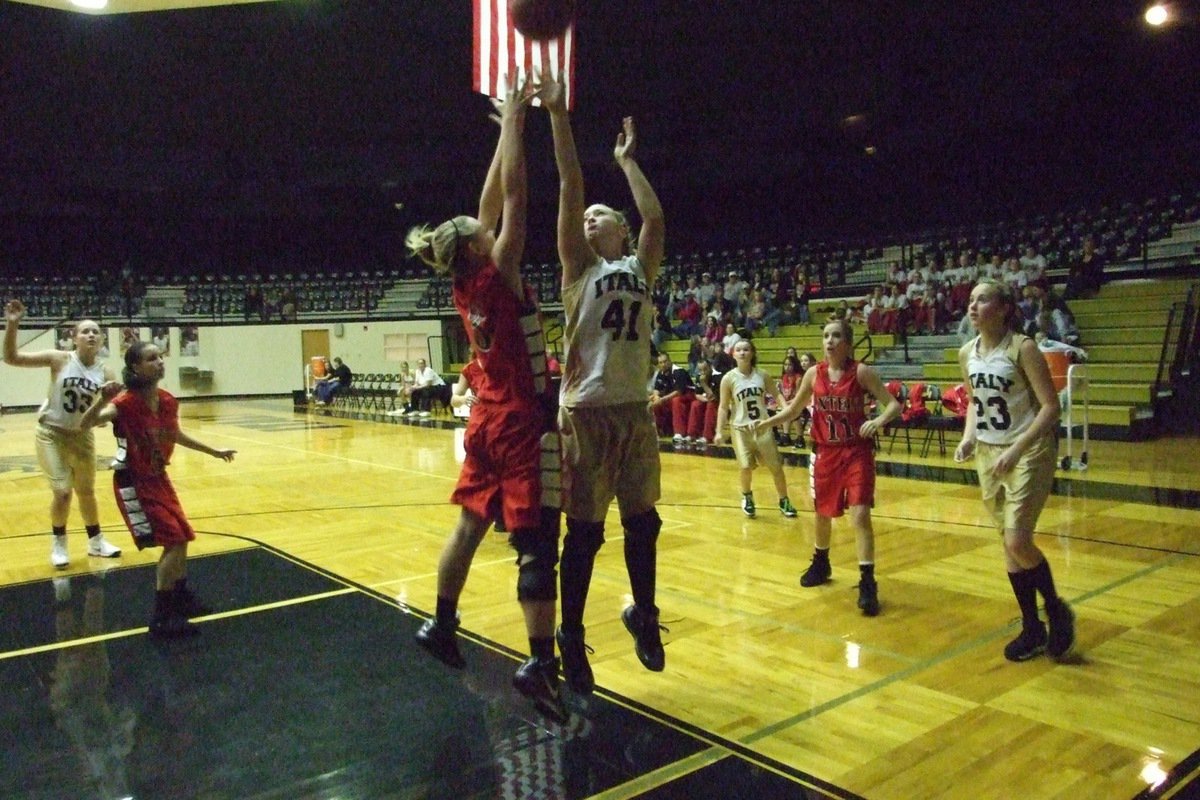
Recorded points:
(716,744)
(699,760)
(308,454)
(112,635)
(938,659)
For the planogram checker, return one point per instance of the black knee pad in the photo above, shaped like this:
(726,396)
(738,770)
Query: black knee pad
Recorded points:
(583,537)
(644,526)
(537,556)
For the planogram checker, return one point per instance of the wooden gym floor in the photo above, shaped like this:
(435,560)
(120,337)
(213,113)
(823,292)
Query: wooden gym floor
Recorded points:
(318,549)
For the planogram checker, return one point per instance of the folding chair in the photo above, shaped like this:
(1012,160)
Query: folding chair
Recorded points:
(937,423)
(899,391)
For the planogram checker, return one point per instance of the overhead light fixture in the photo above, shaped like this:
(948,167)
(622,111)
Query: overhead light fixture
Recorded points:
(91,5)
(1157,15)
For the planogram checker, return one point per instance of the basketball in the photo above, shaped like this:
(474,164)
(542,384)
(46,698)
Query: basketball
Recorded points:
(541,19)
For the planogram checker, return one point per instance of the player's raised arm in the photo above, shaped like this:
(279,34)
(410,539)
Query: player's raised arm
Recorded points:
(574,251)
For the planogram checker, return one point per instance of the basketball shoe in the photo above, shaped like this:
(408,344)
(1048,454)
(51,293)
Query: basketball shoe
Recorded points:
(439,640)
(576,669)
(1028,644)
(647,638)
(537,679)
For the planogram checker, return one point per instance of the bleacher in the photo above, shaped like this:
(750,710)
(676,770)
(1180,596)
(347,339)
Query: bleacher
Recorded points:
(1122,330)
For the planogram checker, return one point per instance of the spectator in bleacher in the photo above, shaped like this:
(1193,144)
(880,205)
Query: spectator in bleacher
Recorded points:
(720,307)
(803,295)
(693,288)
(789,382)
(875,311)
(660,295)
(671,399)
(720,358)
(707,289)
(966,329)
(935,276)
(782,283)
(852,314)
(1028,309)
(702,415)
(252,307)
(1085,275)
(735,291)
(731,338)
(675,296)
(966,275)
(714,328)
(919,273)
(697,352)
(897,275)
(760,314)
(916,287)
(807,362)
(691,317)
(337,380)
(896,311)
(925,311)
(1064,320)
(1034,264)
(660,331)
(1015,275)
(945,314)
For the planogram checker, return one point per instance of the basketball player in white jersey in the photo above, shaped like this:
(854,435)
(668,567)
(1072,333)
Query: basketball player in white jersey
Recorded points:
(744,393)
(1011,430)
(610,445)
(67,453)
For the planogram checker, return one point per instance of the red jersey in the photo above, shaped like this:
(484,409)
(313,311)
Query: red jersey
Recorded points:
(838,408)
(145,439)
(789,382)
(506,335)
(474,375)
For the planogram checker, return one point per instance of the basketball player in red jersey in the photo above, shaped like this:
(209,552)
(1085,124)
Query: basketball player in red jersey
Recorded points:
(511,466)
(146,422)
(843,460)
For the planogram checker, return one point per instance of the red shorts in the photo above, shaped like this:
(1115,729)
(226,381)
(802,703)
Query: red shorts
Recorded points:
(842,477)
(151,510)
(502,473)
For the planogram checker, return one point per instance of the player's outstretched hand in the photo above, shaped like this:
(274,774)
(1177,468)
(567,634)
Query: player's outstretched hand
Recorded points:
(224,455)
(517,96)
(551,92)
(14,311)
(626,141)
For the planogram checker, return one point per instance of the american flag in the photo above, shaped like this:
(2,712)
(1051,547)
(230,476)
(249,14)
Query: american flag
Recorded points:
(500,50)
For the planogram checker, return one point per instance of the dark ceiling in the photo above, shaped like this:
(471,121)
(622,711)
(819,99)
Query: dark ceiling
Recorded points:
(289,130)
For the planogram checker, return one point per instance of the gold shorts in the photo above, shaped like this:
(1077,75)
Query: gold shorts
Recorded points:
(753,448)
(607,452)
(68,458)
(1016,498)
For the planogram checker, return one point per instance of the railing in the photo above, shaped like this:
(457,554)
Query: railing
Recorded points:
(429,349)
(1178,355)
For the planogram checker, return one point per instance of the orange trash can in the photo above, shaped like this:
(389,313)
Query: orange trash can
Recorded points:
(1058,363)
